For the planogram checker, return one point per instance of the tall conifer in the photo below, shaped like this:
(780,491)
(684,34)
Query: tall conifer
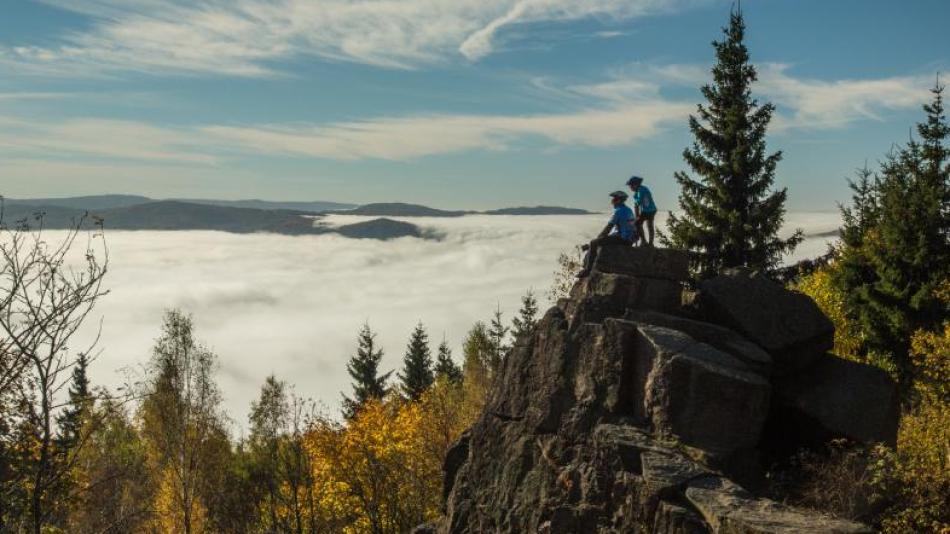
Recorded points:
(896,245)
(364,369)
(445,366)
(527,316)
(731,216)
(416,376)
(72,418)
(498,335)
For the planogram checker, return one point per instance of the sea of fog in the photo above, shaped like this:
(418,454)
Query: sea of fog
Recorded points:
(292,305)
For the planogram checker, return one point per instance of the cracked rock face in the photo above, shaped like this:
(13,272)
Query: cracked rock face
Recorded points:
(620,414)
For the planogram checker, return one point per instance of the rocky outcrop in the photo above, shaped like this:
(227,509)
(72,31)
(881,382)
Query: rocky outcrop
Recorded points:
(623,413)
(788,325)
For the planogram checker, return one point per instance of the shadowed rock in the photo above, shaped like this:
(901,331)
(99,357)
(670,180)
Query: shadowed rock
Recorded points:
(835,398)
(703,396)
(788,325)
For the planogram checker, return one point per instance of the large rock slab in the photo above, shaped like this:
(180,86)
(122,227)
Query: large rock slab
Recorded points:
(835,398)
(729,509)
(644,262)
(719,337)
(601,295)
(787,324)
(703,396)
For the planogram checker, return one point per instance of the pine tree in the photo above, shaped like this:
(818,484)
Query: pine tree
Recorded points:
(896,248)
(858,218)
(445,366)
(731,217)
(416,376)
(497,334)
(364,369)
(527,316)
(71,420)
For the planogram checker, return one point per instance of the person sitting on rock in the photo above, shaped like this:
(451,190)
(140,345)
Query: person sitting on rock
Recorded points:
(645,208)
(620,230)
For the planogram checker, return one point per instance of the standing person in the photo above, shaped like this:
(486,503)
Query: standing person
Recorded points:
(645,208)
(620,230)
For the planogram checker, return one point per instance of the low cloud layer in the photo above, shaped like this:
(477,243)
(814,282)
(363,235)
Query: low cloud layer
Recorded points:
(292,305)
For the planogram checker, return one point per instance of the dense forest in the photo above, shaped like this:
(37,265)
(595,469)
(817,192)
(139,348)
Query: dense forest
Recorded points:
(158,456)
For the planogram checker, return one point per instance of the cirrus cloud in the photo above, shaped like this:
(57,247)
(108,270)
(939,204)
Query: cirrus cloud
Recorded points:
(252,38)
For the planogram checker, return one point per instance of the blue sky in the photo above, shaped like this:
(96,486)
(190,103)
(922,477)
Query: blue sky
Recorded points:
(454,103)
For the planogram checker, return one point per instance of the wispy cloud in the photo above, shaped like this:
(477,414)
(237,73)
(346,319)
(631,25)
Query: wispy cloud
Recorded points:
(481,42)
(629,106)
(253,38)
(818,104)
(417,136)
(27,95)
(102,138)
(803,103)
(386,138)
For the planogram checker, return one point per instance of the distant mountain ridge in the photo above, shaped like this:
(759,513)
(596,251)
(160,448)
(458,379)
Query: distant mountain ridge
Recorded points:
(99,202)
(402,209)
(316,206)
(133,212)
(177,215)
(92,202)
(377,209)
(399,209)
(538,210)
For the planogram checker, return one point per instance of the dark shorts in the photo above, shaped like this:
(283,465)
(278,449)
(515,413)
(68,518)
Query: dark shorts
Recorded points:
(646,217)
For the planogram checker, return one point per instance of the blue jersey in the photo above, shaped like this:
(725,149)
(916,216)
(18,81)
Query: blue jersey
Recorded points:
(644,198)
(624,222)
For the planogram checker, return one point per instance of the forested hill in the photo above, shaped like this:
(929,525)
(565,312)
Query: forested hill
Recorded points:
(176,215)
(99,202)
(537,210)
(401,209)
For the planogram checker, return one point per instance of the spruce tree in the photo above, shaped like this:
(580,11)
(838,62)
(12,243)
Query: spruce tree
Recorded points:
(445,366)
(416,375)
(731,217)
(71,420)
(896,245)
(497,334)
(527,316)
(364,369)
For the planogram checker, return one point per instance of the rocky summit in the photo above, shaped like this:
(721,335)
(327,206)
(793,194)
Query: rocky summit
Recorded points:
(633,409)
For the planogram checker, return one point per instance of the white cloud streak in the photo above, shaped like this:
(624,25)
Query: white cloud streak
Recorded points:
(102,138)
(386,138)
(627,108)
(251,38)
(413,137)
(812,104)
(803,103)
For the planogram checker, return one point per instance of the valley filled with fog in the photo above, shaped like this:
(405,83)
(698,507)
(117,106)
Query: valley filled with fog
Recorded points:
(292,305)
